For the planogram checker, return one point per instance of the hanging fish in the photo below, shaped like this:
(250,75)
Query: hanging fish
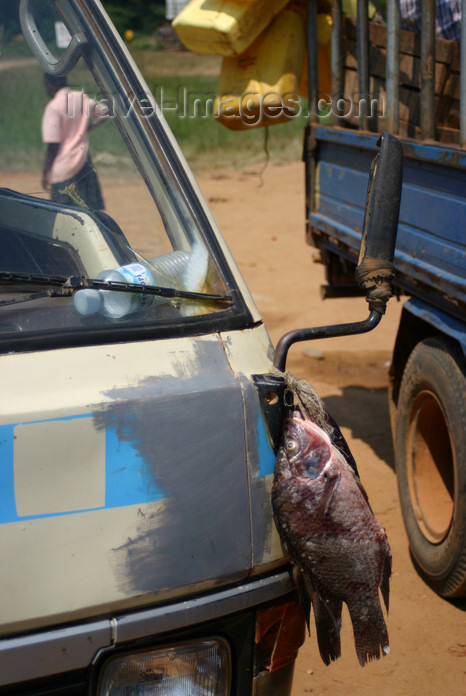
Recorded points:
(338,547)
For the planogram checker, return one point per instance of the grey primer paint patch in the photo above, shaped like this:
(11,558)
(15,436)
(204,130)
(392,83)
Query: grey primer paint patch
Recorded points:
(189,433)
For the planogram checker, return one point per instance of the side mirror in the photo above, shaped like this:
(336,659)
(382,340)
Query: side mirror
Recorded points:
(375,270)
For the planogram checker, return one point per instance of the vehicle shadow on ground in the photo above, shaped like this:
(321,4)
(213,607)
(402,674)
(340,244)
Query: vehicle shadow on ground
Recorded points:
(365,412)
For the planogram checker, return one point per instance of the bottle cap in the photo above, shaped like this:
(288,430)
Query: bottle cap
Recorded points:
(87,301)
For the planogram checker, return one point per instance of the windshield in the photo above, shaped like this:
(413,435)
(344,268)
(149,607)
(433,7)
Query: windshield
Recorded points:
(100,228)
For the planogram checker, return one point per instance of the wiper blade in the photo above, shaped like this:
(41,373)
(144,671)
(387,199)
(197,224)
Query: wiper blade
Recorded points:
(7,279)
(68,285)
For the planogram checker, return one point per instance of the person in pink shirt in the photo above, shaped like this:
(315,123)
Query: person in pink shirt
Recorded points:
(68,171)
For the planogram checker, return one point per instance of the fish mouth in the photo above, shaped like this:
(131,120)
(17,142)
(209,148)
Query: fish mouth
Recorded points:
(314,431)
(318,439)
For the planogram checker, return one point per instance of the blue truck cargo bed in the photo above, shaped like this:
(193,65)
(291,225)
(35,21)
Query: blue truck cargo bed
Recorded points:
(430,256)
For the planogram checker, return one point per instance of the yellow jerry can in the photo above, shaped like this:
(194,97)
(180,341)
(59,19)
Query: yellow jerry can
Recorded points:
(224,27)
(261,86)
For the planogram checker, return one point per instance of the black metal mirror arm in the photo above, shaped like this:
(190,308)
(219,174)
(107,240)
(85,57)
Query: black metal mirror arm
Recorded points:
(332,331)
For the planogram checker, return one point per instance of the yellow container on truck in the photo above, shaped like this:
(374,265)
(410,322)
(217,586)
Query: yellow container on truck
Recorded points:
(261,86)
(224,27)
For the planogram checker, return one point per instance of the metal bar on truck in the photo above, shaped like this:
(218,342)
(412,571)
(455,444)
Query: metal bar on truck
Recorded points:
(463,78)
(312,58)
(392,76)
(313,88)
(427,102)
(362,52)
(337,60)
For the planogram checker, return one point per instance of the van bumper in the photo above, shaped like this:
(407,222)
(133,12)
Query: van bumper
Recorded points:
(28,663)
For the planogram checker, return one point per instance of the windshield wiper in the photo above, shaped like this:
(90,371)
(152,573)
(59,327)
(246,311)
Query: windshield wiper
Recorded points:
(66,286)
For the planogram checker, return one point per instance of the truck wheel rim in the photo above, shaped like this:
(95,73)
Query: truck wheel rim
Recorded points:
(430,468)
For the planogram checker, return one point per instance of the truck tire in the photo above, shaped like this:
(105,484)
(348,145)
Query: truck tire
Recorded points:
(431,464)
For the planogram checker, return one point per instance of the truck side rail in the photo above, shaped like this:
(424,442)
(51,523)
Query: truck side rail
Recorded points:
(417,78)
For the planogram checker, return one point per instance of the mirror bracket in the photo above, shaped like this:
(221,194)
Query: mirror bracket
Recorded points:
(332,331)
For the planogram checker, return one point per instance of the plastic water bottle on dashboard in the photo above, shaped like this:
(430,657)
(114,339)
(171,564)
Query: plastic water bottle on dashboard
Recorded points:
(116,304)
(119,304)
(87,301)
(178,269)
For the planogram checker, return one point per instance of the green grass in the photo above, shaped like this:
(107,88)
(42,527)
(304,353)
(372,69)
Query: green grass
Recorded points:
(187,104)
(155,63)
(204,141)
(16,48)
(23,100)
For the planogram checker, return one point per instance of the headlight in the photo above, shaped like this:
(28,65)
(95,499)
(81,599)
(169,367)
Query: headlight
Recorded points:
(198,668)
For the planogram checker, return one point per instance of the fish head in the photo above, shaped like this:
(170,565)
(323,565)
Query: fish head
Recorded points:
(307,447)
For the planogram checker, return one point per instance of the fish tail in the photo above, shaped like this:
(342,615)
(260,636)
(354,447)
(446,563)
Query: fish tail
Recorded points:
(370,632)
(327,613)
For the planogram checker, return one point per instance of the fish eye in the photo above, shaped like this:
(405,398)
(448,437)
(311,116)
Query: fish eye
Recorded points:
(291,446)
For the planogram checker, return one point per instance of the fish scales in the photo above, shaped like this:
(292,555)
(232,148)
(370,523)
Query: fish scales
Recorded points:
(339,548)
